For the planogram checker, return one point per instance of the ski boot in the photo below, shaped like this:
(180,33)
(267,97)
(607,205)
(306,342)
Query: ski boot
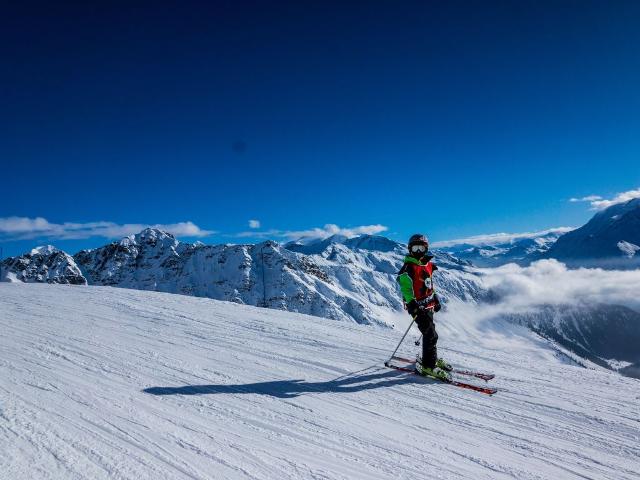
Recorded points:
(441,363)
(436,372)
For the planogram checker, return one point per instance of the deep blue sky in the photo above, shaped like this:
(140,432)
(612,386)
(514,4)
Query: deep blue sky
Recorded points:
(451,118)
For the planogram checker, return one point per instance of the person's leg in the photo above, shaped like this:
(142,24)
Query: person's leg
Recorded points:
(429,339)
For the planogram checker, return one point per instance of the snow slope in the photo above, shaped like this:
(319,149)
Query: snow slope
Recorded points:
(99,382)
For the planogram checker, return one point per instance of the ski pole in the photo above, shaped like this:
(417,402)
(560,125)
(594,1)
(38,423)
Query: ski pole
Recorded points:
(401,340)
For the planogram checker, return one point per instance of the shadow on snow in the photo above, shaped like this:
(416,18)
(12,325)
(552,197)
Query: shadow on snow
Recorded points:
(294,388)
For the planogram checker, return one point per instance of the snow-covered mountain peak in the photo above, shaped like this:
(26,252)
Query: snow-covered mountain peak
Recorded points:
(360,242)
(155,234)
(316,246)
(151,240)
(617,211)
(125,242)
(373,242)
(44,264)
(607,240)
(271,244)
(336,238)
(151,236)
(44,250)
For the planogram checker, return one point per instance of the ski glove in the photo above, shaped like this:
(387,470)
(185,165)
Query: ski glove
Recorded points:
(412,308)
(436,305)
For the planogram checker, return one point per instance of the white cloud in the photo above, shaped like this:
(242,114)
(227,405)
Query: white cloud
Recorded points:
(17,228)
(254,223)
(498,238)
(17,225)
(332,229)
(549,282)
(599,203)
(317,233)
(589,198)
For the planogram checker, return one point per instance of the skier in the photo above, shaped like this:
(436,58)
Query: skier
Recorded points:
(421,301)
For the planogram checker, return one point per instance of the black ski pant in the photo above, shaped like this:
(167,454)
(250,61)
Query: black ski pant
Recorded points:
(424,320)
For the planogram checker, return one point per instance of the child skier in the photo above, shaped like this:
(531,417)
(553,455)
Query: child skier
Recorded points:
(421,301)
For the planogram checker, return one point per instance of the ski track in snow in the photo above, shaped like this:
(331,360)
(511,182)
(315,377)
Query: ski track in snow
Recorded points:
(240,392)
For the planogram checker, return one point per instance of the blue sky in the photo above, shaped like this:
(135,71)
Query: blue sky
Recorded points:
(449,118)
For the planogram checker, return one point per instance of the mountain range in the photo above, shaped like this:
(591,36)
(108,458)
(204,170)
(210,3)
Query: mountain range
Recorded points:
(611,239)
(497,251)
(354,279)
(337,278)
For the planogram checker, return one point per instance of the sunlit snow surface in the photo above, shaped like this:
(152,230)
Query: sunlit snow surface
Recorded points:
(97,382)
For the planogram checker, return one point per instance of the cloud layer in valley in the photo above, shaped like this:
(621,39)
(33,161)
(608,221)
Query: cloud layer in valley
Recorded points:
(549,282)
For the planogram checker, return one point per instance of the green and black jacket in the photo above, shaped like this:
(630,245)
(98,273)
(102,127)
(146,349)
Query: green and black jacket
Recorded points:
(415,279)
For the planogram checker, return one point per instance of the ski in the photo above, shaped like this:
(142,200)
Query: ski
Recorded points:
(469,386)
(483,376)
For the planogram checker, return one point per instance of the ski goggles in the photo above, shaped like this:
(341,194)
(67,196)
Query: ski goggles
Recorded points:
(418,248)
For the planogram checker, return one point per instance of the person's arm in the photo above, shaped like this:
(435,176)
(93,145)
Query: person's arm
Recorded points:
(436,300)
(406,287)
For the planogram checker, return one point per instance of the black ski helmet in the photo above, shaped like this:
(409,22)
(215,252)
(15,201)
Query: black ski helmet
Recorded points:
(418,239)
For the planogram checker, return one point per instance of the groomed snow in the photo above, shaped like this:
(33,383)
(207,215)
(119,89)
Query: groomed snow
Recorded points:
(100,383)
